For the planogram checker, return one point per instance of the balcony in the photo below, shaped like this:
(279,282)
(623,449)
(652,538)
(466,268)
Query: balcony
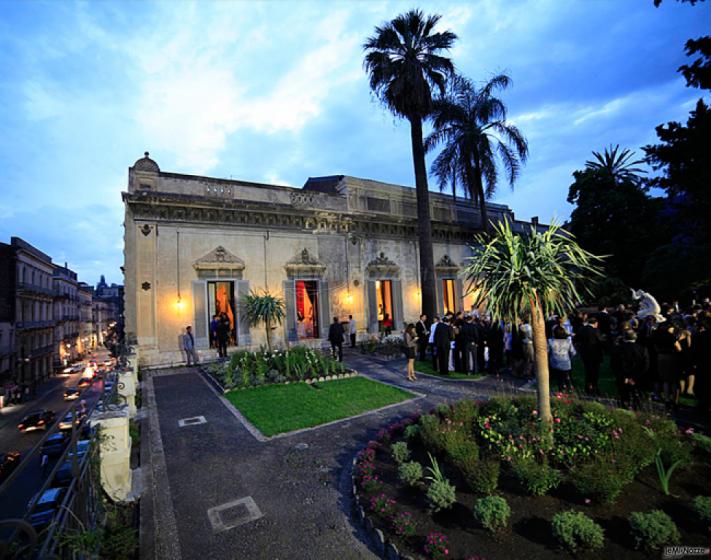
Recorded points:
(27,288)
(41,351)
(27,325)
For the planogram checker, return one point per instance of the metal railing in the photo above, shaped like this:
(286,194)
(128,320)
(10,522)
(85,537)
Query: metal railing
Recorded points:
(34,288)
(34,325)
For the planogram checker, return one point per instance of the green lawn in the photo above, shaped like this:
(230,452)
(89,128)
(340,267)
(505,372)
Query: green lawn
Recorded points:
(275,409)
(426,367)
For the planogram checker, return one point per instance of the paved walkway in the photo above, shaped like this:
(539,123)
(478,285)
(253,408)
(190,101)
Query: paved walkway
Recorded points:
(290,497)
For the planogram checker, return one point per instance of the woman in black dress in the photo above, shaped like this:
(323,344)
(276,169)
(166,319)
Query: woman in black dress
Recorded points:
(410,341)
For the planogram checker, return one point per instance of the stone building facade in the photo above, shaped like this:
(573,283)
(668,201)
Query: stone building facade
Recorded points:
(67,342)
(34,320)
(338,246)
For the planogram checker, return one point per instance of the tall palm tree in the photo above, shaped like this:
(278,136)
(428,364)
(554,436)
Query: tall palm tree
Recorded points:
(536,274)
(477,140)
(617,165)
(404,64)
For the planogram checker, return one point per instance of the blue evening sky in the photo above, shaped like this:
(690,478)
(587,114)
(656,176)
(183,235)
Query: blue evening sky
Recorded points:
(275,92)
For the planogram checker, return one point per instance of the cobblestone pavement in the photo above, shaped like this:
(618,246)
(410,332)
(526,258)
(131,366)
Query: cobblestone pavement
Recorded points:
(214,491)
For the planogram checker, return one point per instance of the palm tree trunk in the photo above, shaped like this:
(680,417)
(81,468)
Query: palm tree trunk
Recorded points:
(540,347)
(424,223)
(269,334)
(482,199)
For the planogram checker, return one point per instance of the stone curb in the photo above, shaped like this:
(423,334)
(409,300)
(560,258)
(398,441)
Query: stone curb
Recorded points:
(382,546)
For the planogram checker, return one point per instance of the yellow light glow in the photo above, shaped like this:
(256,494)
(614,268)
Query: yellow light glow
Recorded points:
(349,299)
(179,304)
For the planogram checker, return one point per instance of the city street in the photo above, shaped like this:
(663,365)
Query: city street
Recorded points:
(14,499)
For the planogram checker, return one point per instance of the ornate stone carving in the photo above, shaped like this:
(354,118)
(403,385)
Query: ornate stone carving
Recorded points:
(302,199)
(219,259)
(382,267)
(146,229)
(446,264)
(381,260)
(303,265)
(146,286)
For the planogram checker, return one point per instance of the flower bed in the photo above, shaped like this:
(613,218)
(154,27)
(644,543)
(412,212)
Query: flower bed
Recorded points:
(570,489)
(387,346)
(253,369)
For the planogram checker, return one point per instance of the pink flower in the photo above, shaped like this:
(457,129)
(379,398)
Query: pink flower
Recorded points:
(535,413)
(487,425)
(587,501)
(689,431)
(557,420)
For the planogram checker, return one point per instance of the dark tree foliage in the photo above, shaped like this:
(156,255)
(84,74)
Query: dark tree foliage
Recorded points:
(698,73)
(692,2)
(615,217)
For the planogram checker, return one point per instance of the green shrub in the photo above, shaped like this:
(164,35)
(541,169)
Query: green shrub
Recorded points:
(431,433)
(492,513)
(459,446)
(481,476)
(653,530)
(702,442)
(443,410)
(702,507)
(599,479)
(537,478)
(411,432)
(400,452)
(503,407)
(464,412)
(410,473)
(441,495)
(574,530)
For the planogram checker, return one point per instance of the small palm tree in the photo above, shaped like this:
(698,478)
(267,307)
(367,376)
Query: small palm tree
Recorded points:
(534,273)
(477,139)
(617,165)
(404,63)
(264,308)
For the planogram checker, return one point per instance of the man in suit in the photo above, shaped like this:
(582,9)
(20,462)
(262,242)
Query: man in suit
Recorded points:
(470,338)
(431,341)
(590,345)
(189,346)
(335,337)
(443,341)
(423,333)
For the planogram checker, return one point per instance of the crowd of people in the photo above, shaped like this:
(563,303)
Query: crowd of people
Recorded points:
(664,356)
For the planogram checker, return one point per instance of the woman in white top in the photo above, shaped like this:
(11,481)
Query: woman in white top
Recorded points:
(560,355)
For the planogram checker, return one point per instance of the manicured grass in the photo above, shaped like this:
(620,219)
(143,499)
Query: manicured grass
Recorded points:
(426,367)
(275,409)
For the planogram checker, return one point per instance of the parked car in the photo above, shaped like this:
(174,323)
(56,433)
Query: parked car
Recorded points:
(36,420)
(8,462)
(54,444)
(45,506)
(63,475)
(66,422)
(84,382)
(71,394)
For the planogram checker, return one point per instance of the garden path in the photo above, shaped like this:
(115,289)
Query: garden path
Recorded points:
(300,484)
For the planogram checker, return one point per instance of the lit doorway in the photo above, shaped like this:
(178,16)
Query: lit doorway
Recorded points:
(307,324)
(384,300)
(221,300)
(448,297)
